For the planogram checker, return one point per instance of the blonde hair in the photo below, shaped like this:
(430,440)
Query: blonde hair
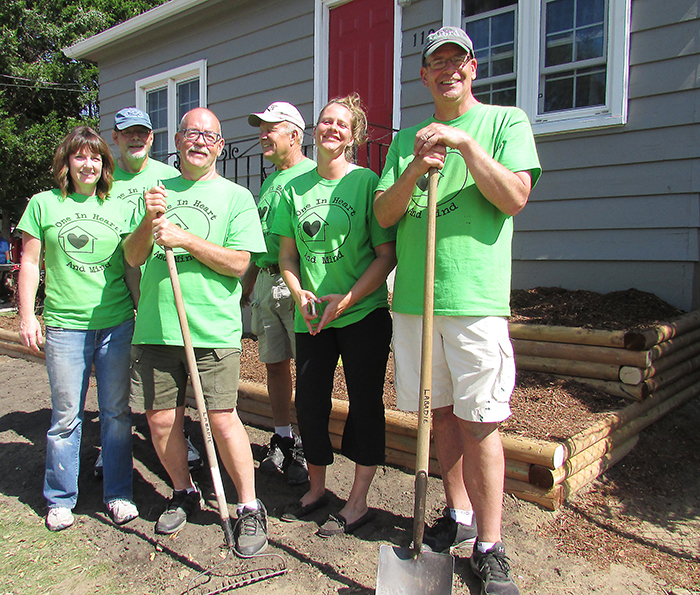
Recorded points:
(77,139)
(358,124)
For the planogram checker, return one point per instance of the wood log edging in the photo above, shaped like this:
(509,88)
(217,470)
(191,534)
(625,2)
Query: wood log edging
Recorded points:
(538,471)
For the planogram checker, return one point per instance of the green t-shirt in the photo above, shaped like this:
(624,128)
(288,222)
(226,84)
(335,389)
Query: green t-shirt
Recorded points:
(270,193)
(81,236)
(130,187)
(223,213)
(333,224)
(473,255)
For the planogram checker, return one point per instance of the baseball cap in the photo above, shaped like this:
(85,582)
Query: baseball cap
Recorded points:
(447,35)
(130,116)
(280,111)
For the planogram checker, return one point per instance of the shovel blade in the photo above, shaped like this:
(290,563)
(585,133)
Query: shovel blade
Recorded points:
(400,573)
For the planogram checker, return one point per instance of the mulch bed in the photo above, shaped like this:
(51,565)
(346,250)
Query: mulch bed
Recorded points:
(544,407)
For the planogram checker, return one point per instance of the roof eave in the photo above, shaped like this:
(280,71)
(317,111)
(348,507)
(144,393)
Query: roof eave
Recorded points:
(87,48)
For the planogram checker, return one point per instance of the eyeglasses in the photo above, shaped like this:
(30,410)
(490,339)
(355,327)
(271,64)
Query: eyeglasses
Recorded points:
(192,134)
(131,131)
(456,61)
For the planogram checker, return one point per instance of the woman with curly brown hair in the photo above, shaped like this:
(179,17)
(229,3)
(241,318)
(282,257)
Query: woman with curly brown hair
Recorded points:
(335,258)
(89,320)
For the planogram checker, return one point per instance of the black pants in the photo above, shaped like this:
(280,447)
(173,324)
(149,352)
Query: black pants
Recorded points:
(364,348)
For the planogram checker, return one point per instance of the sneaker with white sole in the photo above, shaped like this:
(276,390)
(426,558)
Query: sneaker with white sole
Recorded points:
(59,518)
(493,569)
(122,511)
(250,532)
(446,534)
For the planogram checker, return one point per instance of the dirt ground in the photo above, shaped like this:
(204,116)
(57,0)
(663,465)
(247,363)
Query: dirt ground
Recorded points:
(636,530)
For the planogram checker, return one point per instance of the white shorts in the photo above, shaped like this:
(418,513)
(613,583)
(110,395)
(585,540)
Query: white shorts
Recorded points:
(473,365)
(273,318)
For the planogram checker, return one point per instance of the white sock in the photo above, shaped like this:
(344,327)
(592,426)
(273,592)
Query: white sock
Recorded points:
(462,516)
(484,546)
(284,431)
(253,505)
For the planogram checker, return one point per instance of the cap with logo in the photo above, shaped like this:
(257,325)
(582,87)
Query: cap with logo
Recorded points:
(131,116)
(447,35)
(280,111)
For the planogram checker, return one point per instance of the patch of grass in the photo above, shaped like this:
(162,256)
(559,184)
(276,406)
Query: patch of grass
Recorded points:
(35,560)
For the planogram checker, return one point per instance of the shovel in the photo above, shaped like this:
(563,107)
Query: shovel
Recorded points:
(213,580)
(410,571)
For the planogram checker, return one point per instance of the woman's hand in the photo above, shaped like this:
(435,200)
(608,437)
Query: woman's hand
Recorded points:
(30,332)
(337,304)
(306,303)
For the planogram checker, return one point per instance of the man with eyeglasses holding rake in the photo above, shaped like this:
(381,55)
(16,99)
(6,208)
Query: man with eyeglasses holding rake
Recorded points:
(488,165)
(212,226)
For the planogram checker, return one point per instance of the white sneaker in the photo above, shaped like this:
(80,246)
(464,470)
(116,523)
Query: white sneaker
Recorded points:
(59,518)
(122,511)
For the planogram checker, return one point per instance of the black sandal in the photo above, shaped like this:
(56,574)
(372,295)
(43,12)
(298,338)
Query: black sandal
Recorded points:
(296,510)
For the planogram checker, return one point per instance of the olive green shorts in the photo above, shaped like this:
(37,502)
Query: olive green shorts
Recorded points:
(159,376)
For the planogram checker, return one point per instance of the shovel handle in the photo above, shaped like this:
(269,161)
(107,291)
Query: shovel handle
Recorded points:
(199,398)
(426,367)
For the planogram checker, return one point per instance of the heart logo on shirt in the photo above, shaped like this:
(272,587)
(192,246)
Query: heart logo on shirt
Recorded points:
(78,241)
(311,229)
(262,212)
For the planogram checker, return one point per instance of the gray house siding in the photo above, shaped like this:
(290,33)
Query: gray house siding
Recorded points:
(617,207)
(256,53)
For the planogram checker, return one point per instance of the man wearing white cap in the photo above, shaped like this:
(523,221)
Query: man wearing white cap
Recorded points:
(488,165)
(281,134)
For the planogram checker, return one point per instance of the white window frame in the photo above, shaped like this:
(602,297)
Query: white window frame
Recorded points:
(169,80)
(528,37)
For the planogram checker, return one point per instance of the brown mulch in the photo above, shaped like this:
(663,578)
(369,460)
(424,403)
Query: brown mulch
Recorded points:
(615,311)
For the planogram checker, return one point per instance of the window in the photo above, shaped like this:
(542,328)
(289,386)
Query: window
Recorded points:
(166,98)
(564,62)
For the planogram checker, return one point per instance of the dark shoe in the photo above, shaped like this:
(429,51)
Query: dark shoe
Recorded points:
(446,534)
(337,524)
(274,457)
(493,569)
(180,508)
(286,456)
(296,510)
(294,465)
(250,532)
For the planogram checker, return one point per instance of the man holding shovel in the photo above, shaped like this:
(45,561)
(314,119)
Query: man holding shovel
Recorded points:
(488,165)
(212,226)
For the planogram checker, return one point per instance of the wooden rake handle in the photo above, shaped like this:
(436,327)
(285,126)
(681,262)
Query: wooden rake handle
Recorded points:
(199,398)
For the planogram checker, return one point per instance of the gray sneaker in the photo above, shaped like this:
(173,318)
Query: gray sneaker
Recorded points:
(250,532)
(493,569)
(180,508)
(446,534)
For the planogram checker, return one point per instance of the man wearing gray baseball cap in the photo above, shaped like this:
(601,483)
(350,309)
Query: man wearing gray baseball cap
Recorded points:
(281,135)
(488,165)
(134,173)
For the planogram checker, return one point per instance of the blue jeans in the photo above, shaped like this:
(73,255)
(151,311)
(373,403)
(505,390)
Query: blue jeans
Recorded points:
(70,355)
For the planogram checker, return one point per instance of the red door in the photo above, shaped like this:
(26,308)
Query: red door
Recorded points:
(361,59)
